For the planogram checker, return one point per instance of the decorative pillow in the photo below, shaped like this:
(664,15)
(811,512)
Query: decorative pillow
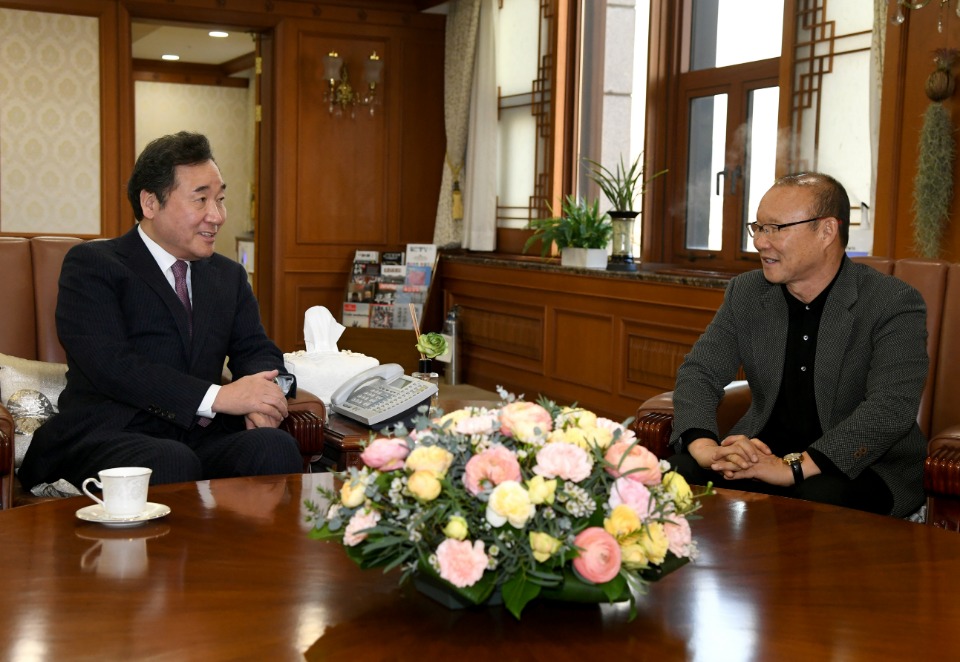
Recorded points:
(30,390)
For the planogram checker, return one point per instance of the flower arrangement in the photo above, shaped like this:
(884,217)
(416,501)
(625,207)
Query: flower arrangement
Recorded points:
(531,499)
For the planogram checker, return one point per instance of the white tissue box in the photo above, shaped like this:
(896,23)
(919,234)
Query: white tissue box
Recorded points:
(322,373)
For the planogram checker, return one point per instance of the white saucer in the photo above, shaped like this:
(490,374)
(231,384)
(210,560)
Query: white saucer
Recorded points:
(96,513)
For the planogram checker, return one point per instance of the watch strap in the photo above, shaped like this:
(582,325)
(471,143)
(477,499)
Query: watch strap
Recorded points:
(797,467)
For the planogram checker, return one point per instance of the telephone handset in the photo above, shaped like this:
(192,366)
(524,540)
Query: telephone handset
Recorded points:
(381,395)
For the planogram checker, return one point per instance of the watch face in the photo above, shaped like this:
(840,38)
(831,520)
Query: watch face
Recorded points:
(792,457)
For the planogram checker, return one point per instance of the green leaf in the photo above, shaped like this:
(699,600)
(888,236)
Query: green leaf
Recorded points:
(517,592)
(324,533)
(575,589)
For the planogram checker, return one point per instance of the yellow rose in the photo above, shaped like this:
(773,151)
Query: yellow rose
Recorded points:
(352,494)
(600,437)
(676,485)
(429,458)
(541,490)
(577,437)
(454,417)
(424,485)
(509,502)
(633,556)
(623,523)
(580,418)
(654,542)
(543,545)
(456,528)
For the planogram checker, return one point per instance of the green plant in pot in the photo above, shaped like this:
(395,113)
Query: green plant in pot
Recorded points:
(581,233)
(621,187)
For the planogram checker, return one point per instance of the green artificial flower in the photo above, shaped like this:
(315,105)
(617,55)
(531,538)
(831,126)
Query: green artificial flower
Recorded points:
(431,345)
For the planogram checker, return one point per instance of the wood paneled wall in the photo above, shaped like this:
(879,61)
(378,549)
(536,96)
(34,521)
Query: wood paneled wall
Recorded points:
(605,343)
(345,184)
(327,186)
(907,63)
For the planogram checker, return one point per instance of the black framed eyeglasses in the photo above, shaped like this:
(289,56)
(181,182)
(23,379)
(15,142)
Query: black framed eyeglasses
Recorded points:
(771,229)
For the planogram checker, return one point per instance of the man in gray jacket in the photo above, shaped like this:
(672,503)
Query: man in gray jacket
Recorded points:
(835,356)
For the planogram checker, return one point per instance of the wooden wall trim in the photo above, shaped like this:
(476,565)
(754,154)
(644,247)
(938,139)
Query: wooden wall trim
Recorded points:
(605,343)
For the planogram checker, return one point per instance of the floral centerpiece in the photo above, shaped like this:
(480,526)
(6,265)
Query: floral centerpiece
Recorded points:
(528,500)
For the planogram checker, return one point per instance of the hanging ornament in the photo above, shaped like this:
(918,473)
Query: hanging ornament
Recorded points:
(456,196)
(933,182)
(456,206)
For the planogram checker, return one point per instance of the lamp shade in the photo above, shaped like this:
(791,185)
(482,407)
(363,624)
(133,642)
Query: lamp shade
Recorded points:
(372,70)
(331,66)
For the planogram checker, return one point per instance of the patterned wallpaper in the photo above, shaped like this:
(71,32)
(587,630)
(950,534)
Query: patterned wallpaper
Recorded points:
(49,123)
(225,116)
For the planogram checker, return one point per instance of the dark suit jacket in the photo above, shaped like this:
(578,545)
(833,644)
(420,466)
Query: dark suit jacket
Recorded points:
(129,350)
(870,369)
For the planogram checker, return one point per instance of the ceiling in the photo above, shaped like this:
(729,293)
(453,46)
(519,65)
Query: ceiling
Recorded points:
(195,46)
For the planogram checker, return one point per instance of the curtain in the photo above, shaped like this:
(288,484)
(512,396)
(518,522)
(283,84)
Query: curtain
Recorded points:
(463,17)
(876,84)
(480,194)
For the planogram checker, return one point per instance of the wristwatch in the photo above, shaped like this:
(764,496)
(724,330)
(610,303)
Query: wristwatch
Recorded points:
(795,462)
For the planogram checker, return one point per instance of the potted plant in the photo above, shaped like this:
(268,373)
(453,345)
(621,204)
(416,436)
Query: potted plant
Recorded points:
(621,187)
(581,233)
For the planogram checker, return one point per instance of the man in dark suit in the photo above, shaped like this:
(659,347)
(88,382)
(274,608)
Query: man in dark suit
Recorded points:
(835,356)
(147,321)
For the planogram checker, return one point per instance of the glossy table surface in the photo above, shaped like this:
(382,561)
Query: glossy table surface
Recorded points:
(230,574)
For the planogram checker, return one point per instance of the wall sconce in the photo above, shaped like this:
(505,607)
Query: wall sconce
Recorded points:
(899,17)
(340,94)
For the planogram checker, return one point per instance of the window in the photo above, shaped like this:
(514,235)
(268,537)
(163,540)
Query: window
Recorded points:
(725,146)
(724,121)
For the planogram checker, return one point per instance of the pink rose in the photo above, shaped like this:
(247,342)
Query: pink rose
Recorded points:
(633,461)
(562,460)
(525,421)
(630,493)
(385,454)
(355,533)
(679,539)
(461,563)
(599,559)
(490,468)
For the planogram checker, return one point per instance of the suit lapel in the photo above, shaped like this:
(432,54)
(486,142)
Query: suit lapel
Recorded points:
(836,325)
(770,345)
(135,254)
(205,279)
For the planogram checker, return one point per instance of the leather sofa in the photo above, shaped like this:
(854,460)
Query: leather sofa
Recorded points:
(939,415)
(29,275)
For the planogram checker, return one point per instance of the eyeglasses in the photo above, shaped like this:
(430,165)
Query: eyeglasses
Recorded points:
(771,229)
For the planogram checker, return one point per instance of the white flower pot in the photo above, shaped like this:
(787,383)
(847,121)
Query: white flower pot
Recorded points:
(584,258)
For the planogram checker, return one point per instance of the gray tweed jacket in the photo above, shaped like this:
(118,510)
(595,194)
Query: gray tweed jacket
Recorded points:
(871,365)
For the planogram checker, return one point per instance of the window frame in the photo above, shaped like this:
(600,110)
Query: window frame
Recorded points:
(669,89)
(736,81)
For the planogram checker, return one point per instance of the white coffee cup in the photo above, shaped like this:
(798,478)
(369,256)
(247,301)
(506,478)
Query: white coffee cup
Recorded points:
(124,490)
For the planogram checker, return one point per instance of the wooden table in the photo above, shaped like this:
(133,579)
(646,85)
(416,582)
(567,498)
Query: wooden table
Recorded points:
(231,575)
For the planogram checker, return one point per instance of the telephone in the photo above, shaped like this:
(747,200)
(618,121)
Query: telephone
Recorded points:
(381,395)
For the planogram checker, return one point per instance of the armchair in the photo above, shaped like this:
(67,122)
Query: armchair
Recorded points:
(939,415)
(30,271)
